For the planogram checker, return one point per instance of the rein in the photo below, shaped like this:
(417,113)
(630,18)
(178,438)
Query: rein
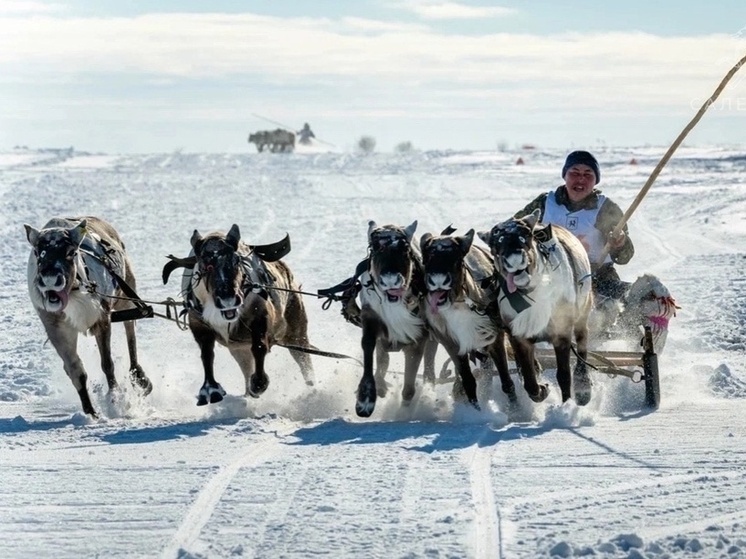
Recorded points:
(141,310)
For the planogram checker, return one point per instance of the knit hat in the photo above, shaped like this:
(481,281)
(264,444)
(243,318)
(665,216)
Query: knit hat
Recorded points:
(582,158)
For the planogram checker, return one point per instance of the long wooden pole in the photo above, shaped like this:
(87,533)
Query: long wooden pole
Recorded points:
(670,152)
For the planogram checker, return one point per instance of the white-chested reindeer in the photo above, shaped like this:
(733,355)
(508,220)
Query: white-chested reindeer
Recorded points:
(544,294)
(73,283)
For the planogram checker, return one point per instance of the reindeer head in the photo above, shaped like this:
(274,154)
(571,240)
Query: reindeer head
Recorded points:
(443,258)
(650,303)
(53,263)
(220,270)
(513,249)
(391,258)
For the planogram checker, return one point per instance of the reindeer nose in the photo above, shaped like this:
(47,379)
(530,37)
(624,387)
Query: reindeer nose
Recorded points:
(439,281)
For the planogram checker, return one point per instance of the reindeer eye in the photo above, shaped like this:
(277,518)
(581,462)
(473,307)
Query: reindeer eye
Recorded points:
(501,239)
(522,239)
(41,254)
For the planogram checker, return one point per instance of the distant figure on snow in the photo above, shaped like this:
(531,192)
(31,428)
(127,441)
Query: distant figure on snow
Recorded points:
(305,134)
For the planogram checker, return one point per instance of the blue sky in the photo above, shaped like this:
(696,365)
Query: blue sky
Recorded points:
(144,76)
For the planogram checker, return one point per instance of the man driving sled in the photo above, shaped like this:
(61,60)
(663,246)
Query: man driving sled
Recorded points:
(592,217)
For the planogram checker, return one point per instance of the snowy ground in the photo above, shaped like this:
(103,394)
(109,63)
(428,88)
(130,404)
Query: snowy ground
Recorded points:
(296,473)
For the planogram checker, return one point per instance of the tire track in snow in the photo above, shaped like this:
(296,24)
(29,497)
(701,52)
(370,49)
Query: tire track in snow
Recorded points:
(209,497)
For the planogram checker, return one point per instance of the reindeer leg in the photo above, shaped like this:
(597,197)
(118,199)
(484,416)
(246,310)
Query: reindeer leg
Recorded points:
(464,383)
(524,356)
(102,333)
(259,381)
(564,375)
(499,356)
(366,390)
(382,367)
(467,384)
(65,341)
(412,359)
(297,320)
(431,348)
(581,377)
(245,359)
(138,378)
(211,391)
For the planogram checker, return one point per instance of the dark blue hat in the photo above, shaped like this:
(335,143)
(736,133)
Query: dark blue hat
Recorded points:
(582,158)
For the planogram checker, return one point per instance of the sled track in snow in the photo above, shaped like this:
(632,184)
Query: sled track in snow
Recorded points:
(204,505)
(487,516)
(657,503)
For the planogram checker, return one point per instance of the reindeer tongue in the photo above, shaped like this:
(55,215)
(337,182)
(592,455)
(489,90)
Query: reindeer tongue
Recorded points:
(62,295)
(433,298)
(510,282)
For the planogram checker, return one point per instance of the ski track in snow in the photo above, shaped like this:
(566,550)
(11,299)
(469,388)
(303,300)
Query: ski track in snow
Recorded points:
(294,473)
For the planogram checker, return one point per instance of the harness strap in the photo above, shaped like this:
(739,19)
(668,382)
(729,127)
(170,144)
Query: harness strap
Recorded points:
(517,300)
(141,309)
(349,287)
(316,351)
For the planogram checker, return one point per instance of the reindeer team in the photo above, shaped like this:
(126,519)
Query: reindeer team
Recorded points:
(530,283)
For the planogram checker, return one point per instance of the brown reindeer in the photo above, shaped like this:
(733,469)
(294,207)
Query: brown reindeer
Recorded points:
(544,281)
(244,298)
(457,308)
(74,273)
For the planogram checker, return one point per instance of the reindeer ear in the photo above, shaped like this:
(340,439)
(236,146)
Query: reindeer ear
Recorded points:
(371,227)
(533,218)
(424,240)
(484,236)
(77,233)
(410,229)
(195,240)
(234,235)
(32,234)
(465,241)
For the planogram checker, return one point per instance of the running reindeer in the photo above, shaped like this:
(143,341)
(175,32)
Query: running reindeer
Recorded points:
(544,294)
(457,308)
(76,273)
(391,286)
(246,299)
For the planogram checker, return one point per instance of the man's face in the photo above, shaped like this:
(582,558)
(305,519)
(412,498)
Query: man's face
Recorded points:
(579,180)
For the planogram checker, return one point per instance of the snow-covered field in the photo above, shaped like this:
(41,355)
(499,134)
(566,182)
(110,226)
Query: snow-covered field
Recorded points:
(296,473)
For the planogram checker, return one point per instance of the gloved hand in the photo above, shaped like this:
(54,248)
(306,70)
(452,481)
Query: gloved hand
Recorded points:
(617,241)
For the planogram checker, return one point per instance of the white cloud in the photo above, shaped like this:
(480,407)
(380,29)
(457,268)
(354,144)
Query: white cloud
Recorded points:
(442,10)
(372,67)
(10,7)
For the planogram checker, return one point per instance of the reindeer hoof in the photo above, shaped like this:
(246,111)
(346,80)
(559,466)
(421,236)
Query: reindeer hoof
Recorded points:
(366,398)
(541,395)
(258,383)
(210,394)
(582,395)
(510,393)
(140,380)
